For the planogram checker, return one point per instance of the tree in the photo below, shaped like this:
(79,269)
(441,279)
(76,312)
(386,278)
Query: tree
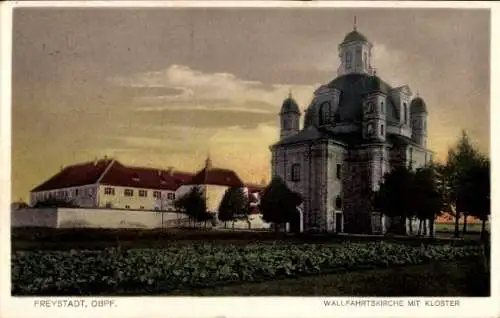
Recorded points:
(193,204)
(426,199)
(452,179)
(278,203)
(394,196)
(475,187)
(234,205)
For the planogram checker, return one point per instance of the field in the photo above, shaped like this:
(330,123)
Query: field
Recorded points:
(119,262)
(450,227)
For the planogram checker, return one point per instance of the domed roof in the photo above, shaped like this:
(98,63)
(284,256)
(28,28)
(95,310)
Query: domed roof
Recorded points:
(353,89)
(354,36)
(289,106)
(375,84)
(417,105)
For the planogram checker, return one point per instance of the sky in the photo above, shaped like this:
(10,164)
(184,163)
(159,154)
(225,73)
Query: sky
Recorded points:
(164,87)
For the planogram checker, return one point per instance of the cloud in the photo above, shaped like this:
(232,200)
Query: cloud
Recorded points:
(197,87)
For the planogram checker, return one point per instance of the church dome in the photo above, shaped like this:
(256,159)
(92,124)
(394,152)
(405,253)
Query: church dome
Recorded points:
(417,105)
(354,36)
(376,85)
(353,89)
(290,106)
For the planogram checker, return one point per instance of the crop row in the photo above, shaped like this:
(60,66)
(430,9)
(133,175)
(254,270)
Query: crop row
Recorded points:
(192,266)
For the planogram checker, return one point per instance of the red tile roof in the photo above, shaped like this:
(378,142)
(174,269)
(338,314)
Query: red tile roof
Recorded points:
(76,175)
(149,178)
(117,175)
(112,172)
(217,176)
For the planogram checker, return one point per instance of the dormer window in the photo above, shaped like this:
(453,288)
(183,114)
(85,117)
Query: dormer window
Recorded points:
(135,177)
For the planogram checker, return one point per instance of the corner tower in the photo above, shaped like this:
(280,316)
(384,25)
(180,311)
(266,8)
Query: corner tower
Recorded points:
(418,113)
(289,117)
(355,53)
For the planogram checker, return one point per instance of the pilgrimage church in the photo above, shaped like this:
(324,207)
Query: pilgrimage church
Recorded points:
(356,128)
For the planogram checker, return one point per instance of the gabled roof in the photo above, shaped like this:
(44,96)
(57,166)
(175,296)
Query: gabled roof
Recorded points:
(217,176)
(148,178)
(112,172)
(76,175)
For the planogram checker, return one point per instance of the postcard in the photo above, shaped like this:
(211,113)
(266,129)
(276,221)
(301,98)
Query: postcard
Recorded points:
(247,159)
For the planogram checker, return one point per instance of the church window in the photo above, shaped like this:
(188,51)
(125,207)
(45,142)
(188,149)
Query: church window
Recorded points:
(296,172)
(286,124)
(369,129)
(366,60)
(382,107)
(339,168)
(338,203)
(369,107)
(358,57)
(348,59)
(382,130)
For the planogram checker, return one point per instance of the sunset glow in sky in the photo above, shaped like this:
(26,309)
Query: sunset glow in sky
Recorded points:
(163,87)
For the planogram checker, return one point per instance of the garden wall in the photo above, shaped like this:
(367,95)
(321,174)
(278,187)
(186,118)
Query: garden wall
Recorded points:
(92,218)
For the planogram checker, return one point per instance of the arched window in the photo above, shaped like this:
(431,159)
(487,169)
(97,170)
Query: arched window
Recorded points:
(338,203)
(348,59)
(382,107)
(382,130)
(286,124)
(296,172)
(359,57)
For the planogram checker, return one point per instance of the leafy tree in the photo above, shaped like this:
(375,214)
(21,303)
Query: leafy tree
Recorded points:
(475,191)
(426,199)
(394,196)
(52,202)
(453,176)
(234,205)
(193,204)
(278,203)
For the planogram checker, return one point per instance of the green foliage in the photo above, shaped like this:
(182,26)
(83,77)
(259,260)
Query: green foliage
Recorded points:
(52,202)
(193,204)
(464,181)
(394,196)
(426,201)
(234,205)
(278,203)
(181,266)
(474,195)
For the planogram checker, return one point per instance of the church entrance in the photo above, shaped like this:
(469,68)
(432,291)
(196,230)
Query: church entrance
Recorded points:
(295,222)
(338,222)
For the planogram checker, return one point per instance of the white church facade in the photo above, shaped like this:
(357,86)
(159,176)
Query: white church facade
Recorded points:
(356,129)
